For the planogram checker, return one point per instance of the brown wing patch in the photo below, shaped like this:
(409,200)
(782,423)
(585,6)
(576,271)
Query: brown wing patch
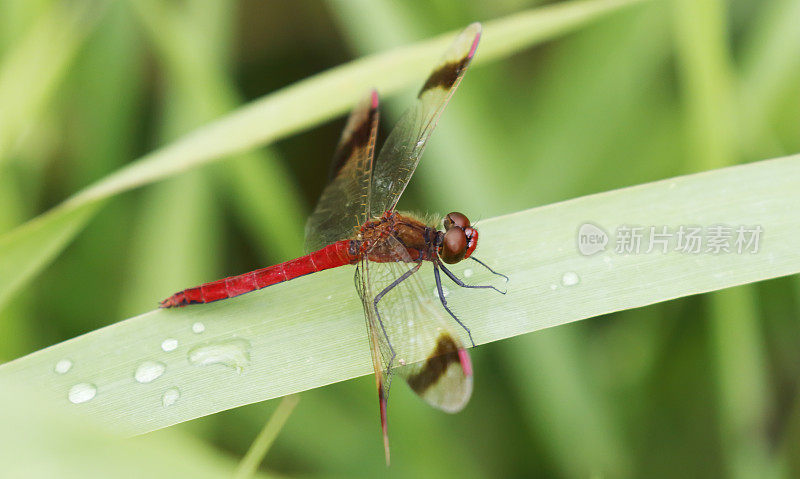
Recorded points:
(357,135)
(435,367)
(344,203)
(445,76)
(404,146)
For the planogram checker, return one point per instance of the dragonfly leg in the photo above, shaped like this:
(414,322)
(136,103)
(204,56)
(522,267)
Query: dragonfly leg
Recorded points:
(487,267)
(380,295)
(458,281)
(444,301)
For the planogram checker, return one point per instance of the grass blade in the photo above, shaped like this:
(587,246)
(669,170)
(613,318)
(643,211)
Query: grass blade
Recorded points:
(25,85)
(258,450)
(309,332)
(43,443)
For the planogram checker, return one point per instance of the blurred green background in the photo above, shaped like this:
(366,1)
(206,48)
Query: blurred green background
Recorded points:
(704,386)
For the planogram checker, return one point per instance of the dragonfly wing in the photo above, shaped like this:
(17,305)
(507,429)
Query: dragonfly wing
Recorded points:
(409,335)
(444,378)
(343,206)
(378,346)
(403,148)
(416,339)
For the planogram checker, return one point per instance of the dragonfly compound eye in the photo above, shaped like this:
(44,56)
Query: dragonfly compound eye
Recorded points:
(454,246)
(456,219)
(472,240)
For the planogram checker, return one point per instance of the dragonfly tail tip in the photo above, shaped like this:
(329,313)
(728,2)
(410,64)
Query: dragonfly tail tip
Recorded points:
(384,422)
(386,450)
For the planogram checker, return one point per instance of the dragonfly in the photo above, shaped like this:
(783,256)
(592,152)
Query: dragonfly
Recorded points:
(355,223)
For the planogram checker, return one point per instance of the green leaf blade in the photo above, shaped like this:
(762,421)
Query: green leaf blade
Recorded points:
(309,332)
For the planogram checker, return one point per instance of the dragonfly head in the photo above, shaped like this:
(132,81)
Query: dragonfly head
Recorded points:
(459,239)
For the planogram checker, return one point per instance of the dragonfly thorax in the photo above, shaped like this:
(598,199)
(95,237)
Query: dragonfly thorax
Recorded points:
(420,241)
(380,238)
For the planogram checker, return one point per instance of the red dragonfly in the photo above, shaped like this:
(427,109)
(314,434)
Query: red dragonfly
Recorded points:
(355,223)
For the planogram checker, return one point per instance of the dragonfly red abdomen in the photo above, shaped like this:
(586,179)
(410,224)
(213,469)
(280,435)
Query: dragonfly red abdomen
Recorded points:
(334,255)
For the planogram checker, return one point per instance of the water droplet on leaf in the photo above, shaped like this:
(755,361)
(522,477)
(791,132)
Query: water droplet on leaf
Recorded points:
(169,344)
(82,392)
(570,278)
(234,353)
(149,371)
(170,396)
(445,292)
(63,366)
